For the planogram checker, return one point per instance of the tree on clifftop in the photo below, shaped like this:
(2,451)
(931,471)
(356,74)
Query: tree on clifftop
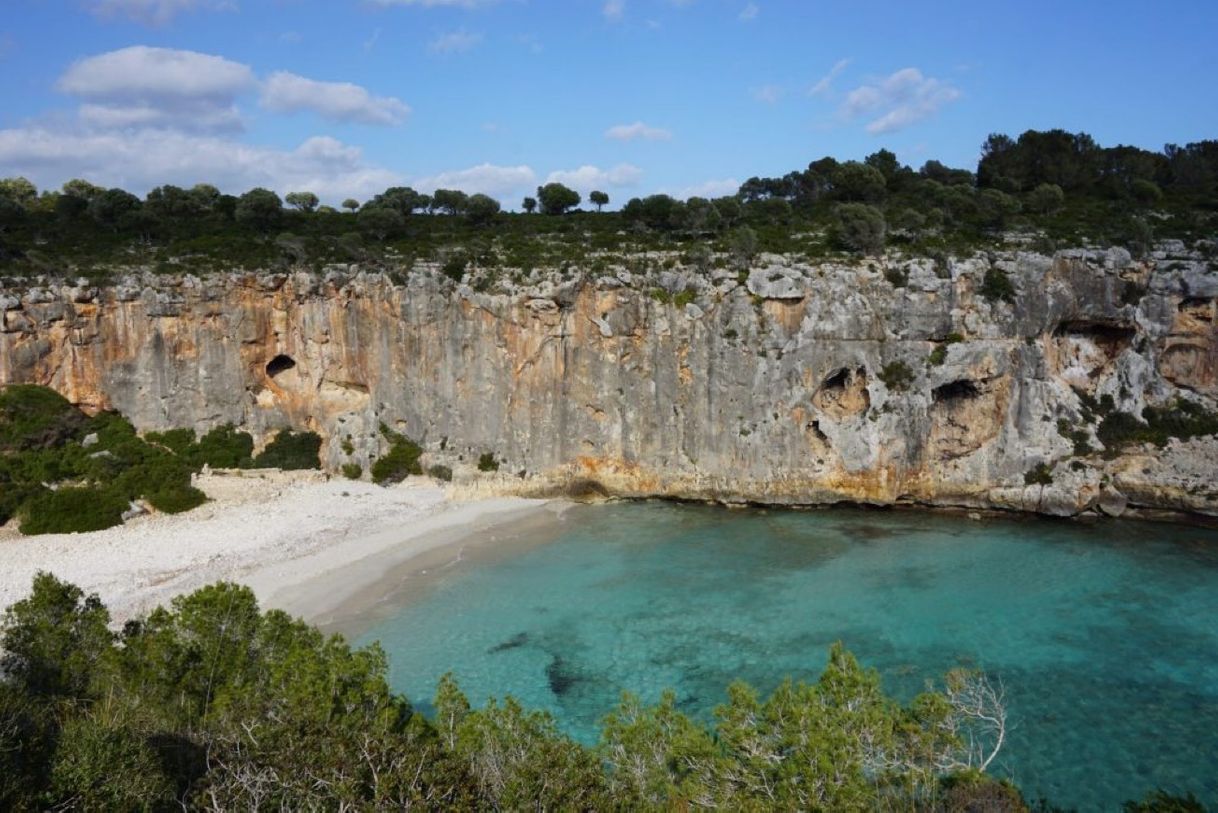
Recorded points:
(259,208)
(304,201)
(599,199)
(556,199)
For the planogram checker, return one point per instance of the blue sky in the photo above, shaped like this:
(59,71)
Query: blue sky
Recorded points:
(346,97)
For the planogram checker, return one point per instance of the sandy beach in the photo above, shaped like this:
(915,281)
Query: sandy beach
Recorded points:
(303,543)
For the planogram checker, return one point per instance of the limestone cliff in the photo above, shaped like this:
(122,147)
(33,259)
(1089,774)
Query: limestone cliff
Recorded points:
(800,384)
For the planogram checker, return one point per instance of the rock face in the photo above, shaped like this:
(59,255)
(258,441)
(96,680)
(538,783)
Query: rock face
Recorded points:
(792,384)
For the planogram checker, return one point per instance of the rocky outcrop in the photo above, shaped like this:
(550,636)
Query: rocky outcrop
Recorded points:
(783,385)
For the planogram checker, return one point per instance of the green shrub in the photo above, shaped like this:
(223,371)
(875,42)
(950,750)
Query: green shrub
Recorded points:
(401,461)
(938,355)
(103,767)
(176,500)
(150,474)
(352,471)
(997,287)
(1182,420)
(441,473)
(179,441)
(859,227)
(36,417)
(72,510)
(1039,475)
(897,376)
(897,277)
(291,451)
(224,448)
(487,462)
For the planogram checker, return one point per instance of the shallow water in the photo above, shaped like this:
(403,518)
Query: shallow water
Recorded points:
(1105,636)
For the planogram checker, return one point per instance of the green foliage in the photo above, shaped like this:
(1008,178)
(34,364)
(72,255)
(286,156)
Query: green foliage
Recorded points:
(177,499)
(98,465)
(352,471)
(481,209)
(223,448)
(1039,475)
(178,441)
(442,473)
(53,641)
(678,299)
(291,451)
(1046,198)
(1108,195)
(71,510)
(35,417)
(103,766)
(304,201)
(859,227)
(742,244)
(556,199)
(380,221)
(401,461)
(938,355)
(996,286)
(259,208)
(1181,419)
(487,462)
(213,703)
(896,375)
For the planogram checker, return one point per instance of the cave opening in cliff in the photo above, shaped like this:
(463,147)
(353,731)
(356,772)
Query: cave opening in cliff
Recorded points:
(956,391)
(279,364)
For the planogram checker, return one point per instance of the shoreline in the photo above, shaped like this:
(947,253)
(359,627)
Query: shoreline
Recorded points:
(304,543)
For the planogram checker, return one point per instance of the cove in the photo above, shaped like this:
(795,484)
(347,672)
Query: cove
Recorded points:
(1105,635)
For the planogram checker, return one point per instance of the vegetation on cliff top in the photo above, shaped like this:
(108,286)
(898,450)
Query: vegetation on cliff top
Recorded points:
(1061,187)
(62,471)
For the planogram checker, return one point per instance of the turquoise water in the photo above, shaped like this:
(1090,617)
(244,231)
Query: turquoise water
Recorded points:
(1104,636)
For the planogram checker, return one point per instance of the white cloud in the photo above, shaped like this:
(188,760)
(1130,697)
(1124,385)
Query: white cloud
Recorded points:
(286,92)
(589,177)
(825,83)
(638,130)
(147,158)
(897,101)
(749,12)
(204,118)
(454,42)
(768,94)
(613,10)
(706,189)
(162,87)
(155,12)
(143,73)
(486,179)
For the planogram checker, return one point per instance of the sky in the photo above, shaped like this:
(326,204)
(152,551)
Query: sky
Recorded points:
(345,98)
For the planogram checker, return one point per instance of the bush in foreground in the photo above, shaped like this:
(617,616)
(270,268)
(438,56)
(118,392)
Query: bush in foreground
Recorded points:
(289,718)
(212,704)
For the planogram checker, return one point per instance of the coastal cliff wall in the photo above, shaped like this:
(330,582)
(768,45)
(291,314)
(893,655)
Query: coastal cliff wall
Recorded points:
(881,381)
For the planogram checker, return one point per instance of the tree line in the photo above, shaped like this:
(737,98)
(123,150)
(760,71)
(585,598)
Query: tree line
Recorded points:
(1055,183)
